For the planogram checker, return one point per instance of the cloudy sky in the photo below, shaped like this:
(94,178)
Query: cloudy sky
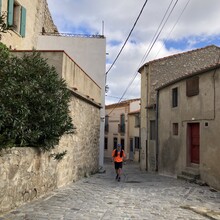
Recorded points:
(164,27)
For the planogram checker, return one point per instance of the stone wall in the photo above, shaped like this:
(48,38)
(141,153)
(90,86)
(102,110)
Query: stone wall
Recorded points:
(27,174)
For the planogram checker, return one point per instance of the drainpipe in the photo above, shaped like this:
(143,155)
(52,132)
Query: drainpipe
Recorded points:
(157,141)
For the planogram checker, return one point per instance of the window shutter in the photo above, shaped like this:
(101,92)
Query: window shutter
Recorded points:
(192,86)
(23,22)
(10,12)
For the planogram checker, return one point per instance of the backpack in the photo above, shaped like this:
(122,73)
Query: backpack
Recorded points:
(116,153)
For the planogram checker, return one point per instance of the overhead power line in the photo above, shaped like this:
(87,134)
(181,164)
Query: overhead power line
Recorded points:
(127,37)
(173,27)
(114,97)
(149,49)
(156,33)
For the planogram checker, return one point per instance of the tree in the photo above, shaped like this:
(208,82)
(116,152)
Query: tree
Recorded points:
(33,103)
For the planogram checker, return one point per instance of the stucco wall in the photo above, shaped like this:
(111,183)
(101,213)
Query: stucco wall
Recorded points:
(158,72)
(204,109)
(114,120)
(27,174)
(90,54)
(74,76)
(37,16)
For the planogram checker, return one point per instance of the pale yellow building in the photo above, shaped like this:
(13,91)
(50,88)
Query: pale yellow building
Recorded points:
(31,26)
(122,127)
(134,135)
(27,19)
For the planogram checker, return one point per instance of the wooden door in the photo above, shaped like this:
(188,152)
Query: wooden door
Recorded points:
(194,141)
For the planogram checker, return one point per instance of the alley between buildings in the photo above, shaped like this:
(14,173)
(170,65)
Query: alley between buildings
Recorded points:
(139,195)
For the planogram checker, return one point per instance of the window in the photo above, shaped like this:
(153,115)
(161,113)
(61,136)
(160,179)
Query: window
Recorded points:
(175,129)
(123,143)
(17,17)
(136,142)
(192,86)
(106,123)
(152,130)
(121,126)
(175,97)
(115,141)
(106,143)
(137,121)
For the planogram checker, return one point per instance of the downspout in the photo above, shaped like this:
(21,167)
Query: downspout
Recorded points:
(157,138)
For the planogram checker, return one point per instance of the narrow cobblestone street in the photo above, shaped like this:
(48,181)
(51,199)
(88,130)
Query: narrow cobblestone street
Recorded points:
(139,195)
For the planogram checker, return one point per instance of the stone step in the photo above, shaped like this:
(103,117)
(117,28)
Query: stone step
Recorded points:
(191,172)
(187,178)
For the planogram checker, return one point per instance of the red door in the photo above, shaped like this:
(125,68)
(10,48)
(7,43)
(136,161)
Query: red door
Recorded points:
(194,142)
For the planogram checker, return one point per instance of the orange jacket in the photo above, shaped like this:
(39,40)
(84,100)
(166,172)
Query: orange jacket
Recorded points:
(118,158)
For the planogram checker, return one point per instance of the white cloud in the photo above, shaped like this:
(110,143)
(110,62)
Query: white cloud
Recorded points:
(199,23)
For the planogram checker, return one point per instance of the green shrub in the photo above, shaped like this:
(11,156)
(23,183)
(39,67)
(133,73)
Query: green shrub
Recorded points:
(33,103)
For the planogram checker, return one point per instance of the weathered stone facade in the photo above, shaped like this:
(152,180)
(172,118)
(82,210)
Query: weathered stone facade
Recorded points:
(27,174)
(157,73)
(176,151)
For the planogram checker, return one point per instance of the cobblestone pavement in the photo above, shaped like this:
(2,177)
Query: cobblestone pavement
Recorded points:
(139,195)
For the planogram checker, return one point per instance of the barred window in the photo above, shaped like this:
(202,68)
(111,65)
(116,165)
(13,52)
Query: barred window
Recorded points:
(175,129)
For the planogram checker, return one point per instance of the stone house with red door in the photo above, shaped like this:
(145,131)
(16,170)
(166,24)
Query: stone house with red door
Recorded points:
(169,122)
(188,126)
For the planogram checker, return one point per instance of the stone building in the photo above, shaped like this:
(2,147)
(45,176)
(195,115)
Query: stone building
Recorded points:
(134,134)
(153,75)
(89,52)
(188,126)
(26,19)
(25,173)
(122,127)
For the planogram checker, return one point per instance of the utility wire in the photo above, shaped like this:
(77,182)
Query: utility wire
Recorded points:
(156,33)
(173,27)
(146,54)
(127,37)
(114,97)
(136,73)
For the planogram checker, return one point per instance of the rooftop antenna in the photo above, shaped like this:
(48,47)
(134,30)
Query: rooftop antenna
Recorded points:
(102,28)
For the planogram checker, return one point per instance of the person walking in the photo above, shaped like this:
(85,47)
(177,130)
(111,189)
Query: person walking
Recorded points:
(118,155)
